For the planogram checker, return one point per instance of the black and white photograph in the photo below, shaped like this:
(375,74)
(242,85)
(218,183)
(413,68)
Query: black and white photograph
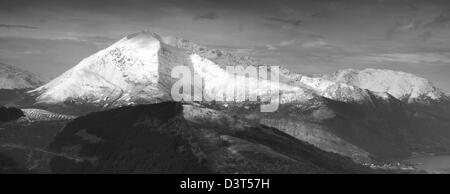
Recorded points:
(250,87)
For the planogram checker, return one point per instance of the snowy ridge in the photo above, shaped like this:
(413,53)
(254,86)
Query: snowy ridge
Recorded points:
(219,81)
(220,57)
(14,78)
(350,85)
(137,69)
(401,85)
(329,89)
(334,90)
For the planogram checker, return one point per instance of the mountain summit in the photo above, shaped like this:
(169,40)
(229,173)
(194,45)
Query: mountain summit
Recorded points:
(137,69)
(403,86)
(128,69)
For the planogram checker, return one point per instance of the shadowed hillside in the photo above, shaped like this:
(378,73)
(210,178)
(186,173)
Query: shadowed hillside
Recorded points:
(173,138)
(10,114)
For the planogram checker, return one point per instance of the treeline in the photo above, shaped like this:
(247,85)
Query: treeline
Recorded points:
(10,114)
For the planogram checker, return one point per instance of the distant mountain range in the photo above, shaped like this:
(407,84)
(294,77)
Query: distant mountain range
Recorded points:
(137,68)
(14,78)
(370,115)
(14,83)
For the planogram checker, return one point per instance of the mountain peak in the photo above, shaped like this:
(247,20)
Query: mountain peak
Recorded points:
(137,68)
(401,85)
(127,69)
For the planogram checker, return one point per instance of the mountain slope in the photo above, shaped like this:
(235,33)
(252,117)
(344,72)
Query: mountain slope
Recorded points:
(137,69)
(127,69)
(15,78)
(173,138)
(14,83)
(23,141)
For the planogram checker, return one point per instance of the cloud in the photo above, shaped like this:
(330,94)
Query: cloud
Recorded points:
(101,41)
(321,15)
(241,28)
(442,20)
(95,39)
(287,42)
(295,22)
(207,16)
(319,43)
(271,47)
(425,36)
(316,44)
(315,36)
(17,26)
(283,43)
(402,28)
(415,58)
(244,51)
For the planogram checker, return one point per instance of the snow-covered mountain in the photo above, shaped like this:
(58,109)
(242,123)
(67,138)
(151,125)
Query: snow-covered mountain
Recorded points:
(403,86)
(129,69)
(14,78)
(352,85)
(356,113)
(137,69)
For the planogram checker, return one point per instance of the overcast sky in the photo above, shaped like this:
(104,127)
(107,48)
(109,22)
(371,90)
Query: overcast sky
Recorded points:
(48,37)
